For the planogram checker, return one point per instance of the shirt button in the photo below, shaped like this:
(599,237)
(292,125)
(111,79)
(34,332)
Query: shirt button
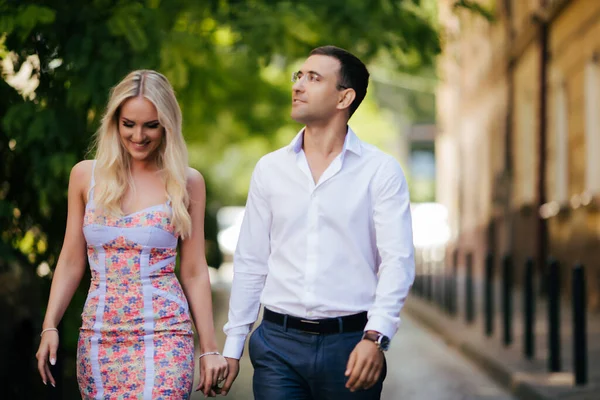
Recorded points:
(310,313)
(313,195)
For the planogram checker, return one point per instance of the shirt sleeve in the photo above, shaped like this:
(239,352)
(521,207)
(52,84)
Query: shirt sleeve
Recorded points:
(249,267)
(394,239)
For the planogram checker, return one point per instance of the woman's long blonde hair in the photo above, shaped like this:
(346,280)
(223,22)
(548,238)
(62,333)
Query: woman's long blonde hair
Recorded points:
(113,161)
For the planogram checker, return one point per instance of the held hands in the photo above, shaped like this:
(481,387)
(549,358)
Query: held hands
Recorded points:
(213,371)
(364,366)
(234,370)
(47,353)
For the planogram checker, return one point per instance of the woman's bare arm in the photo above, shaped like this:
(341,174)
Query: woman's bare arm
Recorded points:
(69,268)
(196,283)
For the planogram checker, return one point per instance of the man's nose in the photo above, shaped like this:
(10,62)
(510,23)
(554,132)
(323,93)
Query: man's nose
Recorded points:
(298,86)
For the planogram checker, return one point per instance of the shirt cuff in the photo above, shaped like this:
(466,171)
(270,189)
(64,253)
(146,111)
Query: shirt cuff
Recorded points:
(234,346)
(381,325)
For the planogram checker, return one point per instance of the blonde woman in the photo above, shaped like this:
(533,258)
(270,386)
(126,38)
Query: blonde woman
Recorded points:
(128,210)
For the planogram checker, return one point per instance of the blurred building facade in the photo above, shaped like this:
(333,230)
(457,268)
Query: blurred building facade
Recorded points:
(518,147)
(411,101)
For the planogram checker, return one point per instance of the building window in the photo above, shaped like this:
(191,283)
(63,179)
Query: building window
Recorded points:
(525,148)
(592,127)
(422,173)
(561,124)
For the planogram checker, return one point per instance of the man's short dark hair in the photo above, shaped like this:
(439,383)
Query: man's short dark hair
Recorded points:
(353,73)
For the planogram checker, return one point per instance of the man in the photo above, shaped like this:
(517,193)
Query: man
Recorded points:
(325,245)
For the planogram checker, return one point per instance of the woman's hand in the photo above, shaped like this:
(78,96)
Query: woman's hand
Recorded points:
(213,372)
(47,353)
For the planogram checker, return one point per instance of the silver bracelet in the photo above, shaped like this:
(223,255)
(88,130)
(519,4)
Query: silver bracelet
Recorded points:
(209,353)
(48,329)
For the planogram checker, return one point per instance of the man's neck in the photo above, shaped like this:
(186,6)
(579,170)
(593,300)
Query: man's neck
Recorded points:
(324,140)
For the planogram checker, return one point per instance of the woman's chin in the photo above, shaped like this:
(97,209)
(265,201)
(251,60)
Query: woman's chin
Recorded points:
(141,155)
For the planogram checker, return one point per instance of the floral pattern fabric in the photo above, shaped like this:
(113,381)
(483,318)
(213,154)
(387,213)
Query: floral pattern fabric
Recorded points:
(136,339)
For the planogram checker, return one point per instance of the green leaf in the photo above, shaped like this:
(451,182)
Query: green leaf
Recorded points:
(229,62)
(30,16)
(476,8)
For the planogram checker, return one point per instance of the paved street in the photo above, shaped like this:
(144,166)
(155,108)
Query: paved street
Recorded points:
(420,367)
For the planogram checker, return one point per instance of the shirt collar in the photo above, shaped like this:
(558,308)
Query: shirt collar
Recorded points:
(351,142)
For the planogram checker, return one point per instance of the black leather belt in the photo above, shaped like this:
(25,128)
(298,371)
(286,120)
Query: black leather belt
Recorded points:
(349,323)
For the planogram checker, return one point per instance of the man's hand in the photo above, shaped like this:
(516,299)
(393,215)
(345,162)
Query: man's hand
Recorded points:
(234,370)
(364,366)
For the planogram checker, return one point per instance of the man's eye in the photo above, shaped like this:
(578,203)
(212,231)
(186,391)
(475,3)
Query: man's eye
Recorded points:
(313,77)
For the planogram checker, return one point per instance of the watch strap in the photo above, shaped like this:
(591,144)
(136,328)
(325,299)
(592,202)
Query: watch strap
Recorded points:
(375,338)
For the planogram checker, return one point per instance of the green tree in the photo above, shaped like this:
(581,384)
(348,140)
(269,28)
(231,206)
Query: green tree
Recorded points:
(228,61)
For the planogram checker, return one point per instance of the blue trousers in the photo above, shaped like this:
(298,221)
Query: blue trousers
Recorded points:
(293,365)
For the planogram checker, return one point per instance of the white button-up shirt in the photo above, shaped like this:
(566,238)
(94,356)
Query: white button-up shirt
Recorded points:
(338,247)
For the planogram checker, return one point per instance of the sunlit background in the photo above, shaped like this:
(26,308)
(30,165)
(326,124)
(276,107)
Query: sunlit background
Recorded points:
(490,106)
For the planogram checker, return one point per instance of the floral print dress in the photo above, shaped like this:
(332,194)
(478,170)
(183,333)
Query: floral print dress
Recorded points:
(136,339)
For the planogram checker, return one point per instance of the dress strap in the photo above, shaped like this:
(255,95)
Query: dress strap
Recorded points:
(92,183)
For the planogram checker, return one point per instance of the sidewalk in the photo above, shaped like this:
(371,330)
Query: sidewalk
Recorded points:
(242,387)
(420,365)
(507,364)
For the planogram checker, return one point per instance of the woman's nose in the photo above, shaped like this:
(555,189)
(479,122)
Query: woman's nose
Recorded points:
(137,133)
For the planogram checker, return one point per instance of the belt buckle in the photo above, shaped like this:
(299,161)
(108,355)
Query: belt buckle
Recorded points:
(310,322)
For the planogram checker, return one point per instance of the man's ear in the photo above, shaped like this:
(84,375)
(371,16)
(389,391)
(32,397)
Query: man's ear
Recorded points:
(346,98)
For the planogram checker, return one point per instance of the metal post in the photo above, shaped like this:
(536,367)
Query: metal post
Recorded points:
(579,326)
(489,294)
(469,306)
(428,282)
(507,310)
(553,287)
(416,284)
(529,310)
(436,287)
(448,290)
(441,289)
(453,284)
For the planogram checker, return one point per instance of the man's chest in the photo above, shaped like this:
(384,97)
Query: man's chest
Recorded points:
(343,198)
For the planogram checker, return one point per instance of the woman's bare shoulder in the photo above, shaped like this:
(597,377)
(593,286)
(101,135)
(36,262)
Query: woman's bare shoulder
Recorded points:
(81,174)
(195,182)
(194,177)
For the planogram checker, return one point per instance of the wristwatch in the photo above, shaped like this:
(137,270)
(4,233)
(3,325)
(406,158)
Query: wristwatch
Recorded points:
(382,341)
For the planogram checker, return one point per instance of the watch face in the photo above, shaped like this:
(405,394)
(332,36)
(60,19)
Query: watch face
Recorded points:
(384,342)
